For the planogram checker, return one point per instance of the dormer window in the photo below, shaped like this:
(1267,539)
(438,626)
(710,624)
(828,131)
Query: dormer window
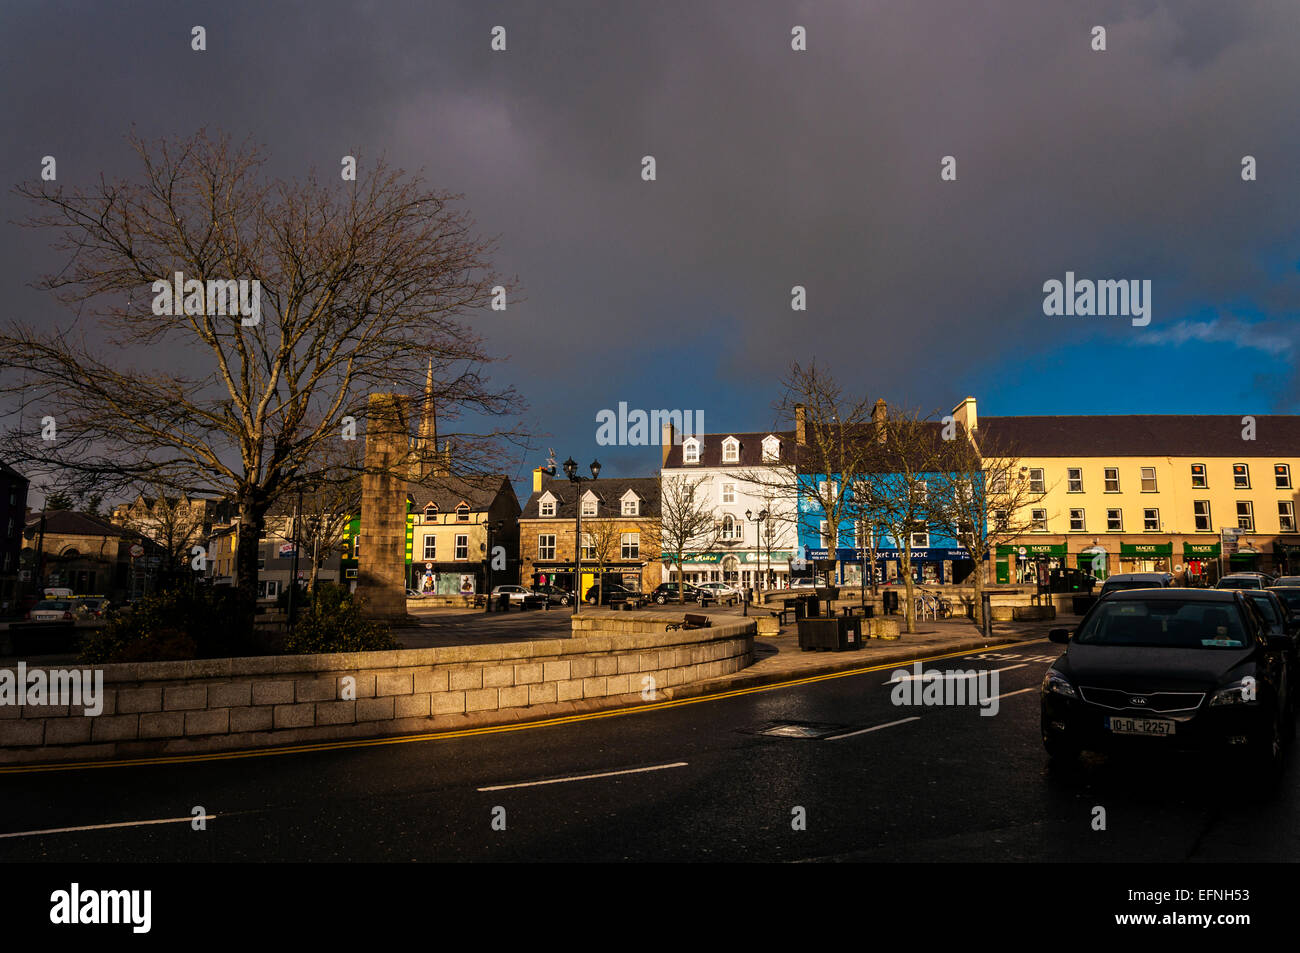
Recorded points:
(731,450)
(589,505)
(631,504)
(690,451)
(546,505)
(771,449)
(462,513)
(431,512)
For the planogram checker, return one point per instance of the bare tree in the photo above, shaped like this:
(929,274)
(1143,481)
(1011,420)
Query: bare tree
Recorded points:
(173,521)
(340,287)
(984,500)
(602,539)
(686,521)
(832,452)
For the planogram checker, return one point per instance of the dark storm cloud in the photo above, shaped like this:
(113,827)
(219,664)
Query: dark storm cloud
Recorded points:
(775,168)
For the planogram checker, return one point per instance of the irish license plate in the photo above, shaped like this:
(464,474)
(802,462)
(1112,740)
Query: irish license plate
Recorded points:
(1140,726)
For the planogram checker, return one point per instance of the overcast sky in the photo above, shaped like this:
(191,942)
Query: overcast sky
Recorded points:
(775,168)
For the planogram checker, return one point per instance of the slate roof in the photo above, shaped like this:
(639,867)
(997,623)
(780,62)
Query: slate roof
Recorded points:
(610,491)
(68,523)
(1156,435)
(448,491)
(751,449)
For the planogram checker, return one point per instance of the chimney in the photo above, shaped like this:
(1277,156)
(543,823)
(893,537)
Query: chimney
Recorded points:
(964,414)
(537,479)
(879,417)
(800,425)
(666,441)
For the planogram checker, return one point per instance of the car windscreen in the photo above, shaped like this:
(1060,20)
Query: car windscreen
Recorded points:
(1164,623)
(1239,582)
(1291,597)
(1266,608)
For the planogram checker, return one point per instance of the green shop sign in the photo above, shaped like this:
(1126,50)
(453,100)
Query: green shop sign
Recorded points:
(1034,549)
(693,558)
(1146,550)
(1201,550)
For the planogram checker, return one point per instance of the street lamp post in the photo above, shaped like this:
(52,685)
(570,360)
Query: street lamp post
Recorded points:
(757,521)
(577,479)
(488,527)
(297,542)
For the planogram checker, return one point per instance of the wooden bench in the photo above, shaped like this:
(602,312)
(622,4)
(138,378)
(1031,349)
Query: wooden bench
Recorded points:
(691,621)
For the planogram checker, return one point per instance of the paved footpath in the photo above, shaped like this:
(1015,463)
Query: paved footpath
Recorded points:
(779,658)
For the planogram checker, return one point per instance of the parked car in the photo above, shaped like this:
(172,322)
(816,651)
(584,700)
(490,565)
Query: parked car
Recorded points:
(90,607)
(723,592)
(1122,581)
(667,592)
(51,610)
(517,594)
(1167,669)
(1244,580)
(1287,581)
(414,594)
(612,592)
(554,595)
(1279,619)
(1290,596)
(803,582)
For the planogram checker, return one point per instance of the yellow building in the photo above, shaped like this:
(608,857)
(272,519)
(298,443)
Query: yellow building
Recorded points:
(1137,493)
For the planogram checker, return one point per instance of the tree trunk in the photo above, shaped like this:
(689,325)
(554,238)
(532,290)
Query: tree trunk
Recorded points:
(909,607)
(252,520)
(979,595)
(315,574)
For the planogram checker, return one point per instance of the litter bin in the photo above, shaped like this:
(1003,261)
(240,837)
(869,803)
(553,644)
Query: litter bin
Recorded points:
(891,602)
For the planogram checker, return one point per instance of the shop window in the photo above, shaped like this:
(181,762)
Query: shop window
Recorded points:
(1241,476)
(546,546)
(1246,516)
(1038,521)
(1036,482)
(1198,476)
(1074,480)
(431,547)
(462,546)
(1114,521)
(1112,479)
(1282,476)
(1150,520)
(1076,521)
(631,546)
(1286,516)
(1201,511)
(1148,479)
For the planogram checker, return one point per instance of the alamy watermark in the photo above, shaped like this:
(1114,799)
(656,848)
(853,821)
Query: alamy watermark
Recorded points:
(75,688)
(639,428)
(1106,298)
(214,297)
(919,687)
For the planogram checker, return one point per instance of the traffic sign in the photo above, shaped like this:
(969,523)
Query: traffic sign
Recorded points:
(136,550)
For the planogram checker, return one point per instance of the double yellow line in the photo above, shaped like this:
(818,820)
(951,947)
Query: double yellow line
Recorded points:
(471,732)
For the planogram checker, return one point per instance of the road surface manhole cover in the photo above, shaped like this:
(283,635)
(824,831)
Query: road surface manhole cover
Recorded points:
(799,729)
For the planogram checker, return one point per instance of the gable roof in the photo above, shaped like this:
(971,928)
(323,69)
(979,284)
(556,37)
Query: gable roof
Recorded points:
(449,491)
(611,491)
(1150,435)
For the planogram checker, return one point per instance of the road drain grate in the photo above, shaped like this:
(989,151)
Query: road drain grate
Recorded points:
(799,729)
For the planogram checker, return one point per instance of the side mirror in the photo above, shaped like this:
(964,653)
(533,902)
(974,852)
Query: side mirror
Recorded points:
(1059,636)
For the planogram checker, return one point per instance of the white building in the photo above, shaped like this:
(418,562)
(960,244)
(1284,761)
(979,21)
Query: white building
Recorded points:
(750,551)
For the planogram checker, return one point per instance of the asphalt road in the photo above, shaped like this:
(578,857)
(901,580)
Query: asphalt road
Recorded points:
(696,781)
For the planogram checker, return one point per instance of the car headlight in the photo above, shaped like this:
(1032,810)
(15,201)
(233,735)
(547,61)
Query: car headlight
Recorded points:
(1056,683)
(1243,692)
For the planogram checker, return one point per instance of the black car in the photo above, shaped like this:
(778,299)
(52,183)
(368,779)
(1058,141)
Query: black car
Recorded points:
(667,592)
(554,595)
(1290,596)
(612,593)
(1158,669)
(1279,619)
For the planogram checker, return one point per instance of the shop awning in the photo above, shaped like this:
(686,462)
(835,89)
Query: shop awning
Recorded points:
(1145,550)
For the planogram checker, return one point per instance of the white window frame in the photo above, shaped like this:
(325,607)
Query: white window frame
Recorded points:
(1238,478)
(1080,519)
(1037,484)
(920,539)
(546,508)
(771,450)
(631,507)
(1115,515)
(546,546)
(1198,517)
(630,546)
(1037,523)
(1203,476)
(1286,516)
(1248,517)
(1107,479)
(1143,477)
(1074,480)
(462,544)
(1148,519)
(430,547)
(690,451)
(731,450)
(1282,481)
(589,506)
(728,493)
